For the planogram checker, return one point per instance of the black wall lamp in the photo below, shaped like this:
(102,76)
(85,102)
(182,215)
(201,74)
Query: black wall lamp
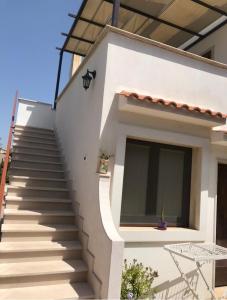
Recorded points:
(87,78)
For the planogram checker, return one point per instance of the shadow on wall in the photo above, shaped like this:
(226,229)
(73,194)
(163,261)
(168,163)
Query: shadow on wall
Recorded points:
(177,288)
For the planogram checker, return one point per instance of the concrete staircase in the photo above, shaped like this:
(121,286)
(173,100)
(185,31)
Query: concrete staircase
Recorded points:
(40,254)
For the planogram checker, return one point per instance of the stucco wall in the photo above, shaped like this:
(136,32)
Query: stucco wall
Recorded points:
(89,121)
(78,119)
(216,42)
(151,70)
(35,114)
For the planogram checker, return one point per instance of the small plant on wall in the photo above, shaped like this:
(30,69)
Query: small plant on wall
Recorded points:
(137,281)
(104,162)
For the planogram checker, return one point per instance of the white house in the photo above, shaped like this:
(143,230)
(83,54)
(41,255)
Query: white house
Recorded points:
(160,111)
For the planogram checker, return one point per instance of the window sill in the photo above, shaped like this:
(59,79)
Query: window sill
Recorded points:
(150,234)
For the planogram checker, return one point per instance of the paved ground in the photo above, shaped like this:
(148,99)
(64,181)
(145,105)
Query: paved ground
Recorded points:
(221,292)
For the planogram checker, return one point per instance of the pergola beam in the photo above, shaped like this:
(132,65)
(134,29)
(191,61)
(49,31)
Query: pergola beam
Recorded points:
(92,22)
(206,35)
(136,11)
(78,38)
(72,15)
(211,7)
(71,52)
(63,49)
(87,20)
(75,22)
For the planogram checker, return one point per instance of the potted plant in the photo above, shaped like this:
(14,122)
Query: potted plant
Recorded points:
(136,282)
(163,224)
(104,162)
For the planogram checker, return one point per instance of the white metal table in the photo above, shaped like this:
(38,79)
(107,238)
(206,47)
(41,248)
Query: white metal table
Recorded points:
(200,254)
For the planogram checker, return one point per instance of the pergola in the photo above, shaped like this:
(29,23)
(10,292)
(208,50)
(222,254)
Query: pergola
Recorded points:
(179,23)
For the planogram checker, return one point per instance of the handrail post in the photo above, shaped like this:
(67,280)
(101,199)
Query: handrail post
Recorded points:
(6,160)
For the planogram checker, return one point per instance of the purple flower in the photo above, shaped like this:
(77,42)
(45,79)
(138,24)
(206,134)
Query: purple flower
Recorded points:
(130,295)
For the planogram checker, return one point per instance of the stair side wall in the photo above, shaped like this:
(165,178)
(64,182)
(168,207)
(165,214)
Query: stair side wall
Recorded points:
(35,114)
(78,122)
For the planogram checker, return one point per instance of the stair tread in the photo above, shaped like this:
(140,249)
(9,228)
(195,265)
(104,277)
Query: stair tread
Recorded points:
(43,188)
(60,291)
(17,139)
(36,199)
(35,147)
(17,212)
(36,178)
(41,267)
(17,126)
(38,246)
(37,228)
(35,169)
(38,161)
(29,135)
(37,154)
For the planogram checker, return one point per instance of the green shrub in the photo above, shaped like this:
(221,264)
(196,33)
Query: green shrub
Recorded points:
(1,168)
(137,281)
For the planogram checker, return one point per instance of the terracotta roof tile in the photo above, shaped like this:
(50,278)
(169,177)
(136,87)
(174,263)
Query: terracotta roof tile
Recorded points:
(173,104)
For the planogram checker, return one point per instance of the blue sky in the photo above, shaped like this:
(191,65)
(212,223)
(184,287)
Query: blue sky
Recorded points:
(30,31)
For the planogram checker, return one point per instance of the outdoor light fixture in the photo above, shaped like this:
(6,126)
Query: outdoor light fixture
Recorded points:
(87,78)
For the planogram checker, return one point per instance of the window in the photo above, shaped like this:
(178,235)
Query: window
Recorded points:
(157,177)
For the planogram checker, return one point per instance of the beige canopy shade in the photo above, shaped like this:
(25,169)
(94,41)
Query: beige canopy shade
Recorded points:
(179,23)
(173,22)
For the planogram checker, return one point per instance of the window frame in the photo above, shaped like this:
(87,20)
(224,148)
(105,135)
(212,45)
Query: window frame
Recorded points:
(152,188)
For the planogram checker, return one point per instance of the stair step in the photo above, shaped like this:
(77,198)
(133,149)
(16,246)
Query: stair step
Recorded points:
(24,203)
(17,212)
(38,134)
(24,181)
(36,232)
(34,129)
(25,143)
(35,150)
(29,140)
(15,216)
(32,136)
(38,199)
(37,191)
(38,272)
(63,291)
(35,139)
(35,172)
(31,251)
(37,228)
(36,156)
(16,247)
(47,165)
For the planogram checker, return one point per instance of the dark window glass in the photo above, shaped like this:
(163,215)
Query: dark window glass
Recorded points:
(157,177)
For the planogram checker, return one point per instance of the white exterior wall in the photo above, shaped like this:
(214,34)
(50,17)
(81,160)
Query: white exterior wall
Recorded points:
(89,121)
(35,114)
(133,65)
(78,119)
(216,42)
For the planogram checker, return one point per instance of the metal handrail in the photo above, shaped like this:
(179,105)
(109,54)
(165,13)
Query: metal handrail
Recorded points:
(6,160)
